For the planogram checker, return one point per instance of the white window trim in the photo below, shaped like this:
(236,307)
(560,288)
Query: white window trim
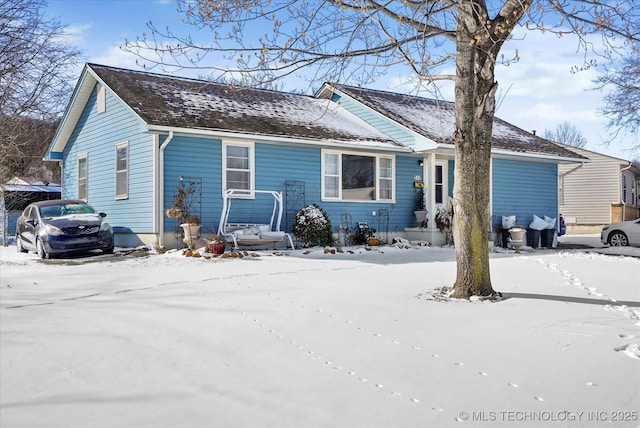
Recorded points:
(445,182)
(377,157)
(124,195)
(101,98)
(84,156)
(252,169)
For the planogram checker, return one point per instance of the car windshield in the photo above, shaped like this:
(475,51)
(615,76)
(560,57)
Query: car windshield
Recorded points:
(52,211)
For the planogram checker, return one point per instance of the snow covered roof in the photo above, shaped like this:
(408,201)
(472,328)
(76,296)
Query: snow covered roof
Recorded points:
(196,104)
(435,120)
(37,188)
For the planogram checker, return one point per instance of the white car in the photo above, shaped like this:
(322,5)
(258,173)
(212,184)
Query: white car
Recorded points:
(621,234)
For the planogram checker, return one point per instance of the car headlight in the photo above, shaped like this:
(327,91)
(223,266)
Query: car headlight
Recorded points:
(105,227)
(52,230)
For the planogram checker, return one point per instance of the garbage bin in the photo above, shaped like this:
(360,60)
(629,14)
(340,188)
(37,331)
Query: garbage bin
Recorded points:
(533,238)
(546,237)
(505,237)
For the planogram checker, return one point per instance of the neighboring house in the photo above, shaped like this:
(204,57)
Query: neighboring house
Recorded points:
(129,139)
(15,195)
(603,191)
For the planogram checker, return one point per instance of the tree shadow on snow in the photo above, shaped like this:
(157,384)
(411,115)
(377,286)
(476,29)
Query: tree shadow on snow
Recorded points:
(569,299)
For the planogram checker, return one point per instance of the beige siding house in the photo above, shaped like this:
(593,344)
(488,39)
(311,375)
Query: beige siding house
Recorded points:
(601,191)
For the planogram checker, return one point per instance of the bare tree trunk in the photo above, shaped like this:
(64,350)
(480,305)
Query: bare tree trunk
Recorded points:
(475,104)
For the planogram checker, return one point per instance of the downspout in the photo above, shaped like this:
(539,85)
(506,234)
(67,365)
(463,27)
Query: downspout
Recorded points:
(562,176)
(621,199)
(160,192)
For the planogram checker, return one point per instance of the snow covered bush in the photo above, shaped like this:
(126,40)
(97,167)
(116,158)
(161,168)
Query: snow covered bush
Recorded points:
(312,226)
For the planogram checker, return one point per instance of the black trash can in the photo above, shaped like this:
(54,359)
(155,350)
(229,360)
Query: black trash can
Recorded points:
(546,237)
(505,237)
(533,238)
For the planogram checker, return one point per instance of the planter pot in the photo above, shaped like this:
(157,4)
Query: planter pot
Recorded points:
(517,238)
(191,234)
(217,247)
(421,217)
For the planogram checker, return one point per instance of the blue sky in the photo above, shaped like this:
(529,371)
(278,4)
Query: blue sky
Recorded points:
(537,93)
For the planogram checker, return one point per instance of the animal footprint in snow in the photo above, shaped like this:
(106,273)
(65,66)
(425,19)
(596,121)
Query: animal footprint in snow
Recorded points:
(395,394)
(539,398)
(482,373)
(379,386)
(435,355)
(458,364)
(363,379)
(415,400)
(395,342)
(591,384)
(377,334)
(513,385)
(352,373)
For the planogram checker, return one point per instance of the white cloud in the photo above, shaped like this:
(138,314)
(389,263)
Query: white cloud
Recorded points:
(116,57)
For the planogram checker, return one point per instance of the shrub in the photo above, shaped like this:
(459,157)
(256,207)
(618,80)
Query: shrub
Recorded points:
(312,226)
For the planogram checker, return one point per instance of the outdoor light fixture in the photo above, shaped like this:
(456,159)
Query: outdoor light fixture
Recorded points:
(421,162)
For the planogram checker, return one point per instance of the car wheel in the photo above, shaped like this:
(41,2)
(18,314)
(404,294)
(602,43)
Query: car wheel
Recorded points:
(19,245)
(42,253)
(618,239)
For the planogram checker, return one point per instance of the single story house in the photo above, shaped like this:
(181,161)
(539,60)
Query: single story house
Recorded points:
(129,140)
(605,190)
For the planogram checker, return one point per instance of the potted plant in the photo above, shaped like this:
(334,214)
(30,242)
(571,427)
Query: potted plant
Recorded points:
(191,228)
(217,245)
(420,210)
(190,224)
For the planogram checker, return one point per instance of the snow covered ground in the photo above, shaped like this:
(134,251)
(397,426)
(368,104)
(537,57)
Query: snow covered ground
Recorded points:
(308,339)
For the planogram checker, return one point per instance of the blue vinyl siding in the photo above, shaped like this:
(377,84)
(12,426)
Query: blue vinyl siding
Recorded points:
(524,189)
(201,159)
(276,164)
(97,135)
(383,124)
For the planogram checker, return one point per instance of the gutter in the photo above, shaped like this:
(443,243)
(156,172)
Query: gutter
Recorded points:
(220,134)
(160,189)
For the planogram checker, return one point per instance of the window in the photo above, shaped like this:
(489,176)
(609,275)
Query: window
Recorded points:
(101,98)
(357,177)
(122,171)
(238,167)
(439,184)
(83,192)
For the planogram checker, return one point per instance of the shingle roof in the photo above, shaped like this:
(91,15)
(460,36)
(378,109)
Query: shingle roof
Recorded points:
(195,104)
(435,120)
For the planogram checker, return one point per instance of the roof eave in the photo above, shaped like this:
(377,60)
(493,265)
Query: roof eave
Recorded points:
(207,133)
(542,157)
(71,115)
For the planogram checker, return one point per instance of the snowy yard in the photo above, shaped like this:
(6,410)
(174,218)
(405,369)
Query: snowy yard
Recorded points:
(318,340)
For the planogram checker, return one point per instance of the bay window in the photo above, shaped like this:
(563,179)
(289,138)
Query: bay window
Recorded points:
(357,176)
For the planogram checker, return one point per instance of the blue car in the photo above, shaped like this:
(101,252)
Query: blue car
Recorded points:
(53,228)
